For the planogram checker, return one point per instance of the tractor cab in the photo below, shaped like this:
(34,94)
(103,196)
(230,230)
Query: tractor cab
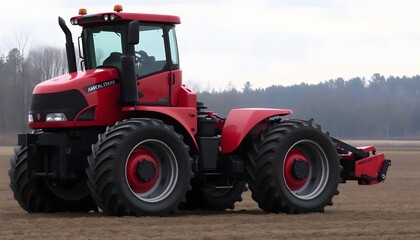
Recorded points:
(103,46)
(107,42)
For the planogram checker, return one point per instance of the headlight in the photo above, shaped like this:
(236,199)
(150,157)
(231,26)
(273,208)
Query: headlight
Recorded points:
(74,21)
(107,17)
(56,117)
(30,118)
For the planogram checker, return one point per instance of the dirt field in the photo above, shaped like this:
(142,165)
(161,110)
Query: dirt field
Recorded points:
(390,210)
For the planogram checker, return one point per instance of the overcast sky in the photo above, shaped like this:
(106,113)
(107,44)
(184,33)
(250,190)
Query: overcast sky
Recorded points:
(266,42)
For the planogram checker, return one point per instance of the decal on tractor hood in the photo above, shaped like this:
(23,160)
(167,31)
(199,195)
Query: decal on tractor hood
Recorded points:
(101,85)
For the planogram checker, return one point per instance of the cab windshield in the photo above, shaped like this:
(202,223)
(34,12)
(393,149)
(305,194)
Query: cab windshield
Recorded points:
(104,46)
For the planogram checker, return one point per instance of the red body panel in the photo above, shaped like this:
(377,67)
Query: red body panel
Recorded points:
(186,98)
(155,89)
(161,88)
(186,116)
(105,101)
(241,121)
(176,86)
(76,80)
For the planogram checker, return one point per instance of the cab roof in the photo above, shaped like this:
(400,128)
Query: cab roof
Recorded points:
(85,19)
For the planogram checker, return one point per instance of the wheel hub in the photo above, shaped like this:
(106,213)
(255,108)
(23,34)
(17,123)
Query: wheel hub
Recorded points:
(300,169)
(296,169)
(305,169)
(142,170)
(146,170)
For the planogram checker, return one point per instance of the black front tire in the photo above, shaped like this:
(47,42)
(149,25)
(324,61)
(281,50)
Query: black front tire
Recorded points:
(35,195)
(293,167)
(139,167)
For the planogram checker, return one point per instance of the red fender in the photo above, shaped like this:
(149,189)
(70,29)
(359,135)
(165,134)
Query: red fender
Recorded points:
(240,121)
(186,116)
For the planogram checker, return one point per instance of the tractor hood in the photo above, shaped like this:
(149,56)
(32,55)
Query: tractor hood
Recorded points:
(78,99)
(87,81)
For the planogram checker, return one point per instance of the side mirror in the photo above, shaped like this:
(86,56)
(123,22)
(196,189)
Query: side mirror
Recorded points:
(133,32)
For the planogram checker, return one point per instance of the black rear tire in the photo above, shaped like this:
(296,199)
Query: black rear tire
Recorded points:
(293,167)
(35,195)
(139,167)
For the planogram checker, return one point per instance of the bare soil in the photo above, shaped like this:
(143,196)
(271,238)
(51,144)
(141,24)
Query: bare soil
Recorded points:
(389,210)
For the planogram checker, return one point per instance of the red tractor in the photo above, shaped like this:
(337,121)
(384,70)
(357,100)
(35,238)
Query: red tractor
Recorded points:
(126,136)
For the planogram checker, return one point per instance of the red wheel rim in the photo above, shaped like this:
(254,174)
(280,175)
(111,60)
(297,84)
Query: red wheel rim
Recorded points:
(138,185)
(293,182)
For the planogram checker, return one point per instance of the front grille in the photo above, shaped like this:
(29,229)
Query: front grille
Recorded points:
(69,102)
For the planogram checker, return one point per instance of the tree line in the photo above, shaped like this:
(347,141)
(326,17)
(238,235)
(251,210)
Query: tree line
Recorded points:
(379,107)
(19,74)
(358,108)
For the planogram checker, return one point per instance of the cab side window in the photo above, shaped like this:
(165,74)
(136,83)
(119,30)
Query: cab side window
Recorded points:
(174,47)
(150,52)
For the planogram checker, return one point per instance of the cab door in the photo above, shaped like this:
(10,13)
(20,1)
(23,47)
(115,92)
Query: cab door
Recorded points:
(153,68)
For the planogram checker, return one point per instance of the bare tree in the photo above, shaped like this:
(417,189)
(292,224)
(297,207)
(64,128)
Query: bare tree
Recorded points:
(47,62)
(15,76)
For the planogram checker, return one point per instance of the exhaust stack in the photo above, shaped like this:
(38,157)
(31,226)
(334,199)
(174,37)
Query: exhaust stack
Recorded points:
(71,57)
